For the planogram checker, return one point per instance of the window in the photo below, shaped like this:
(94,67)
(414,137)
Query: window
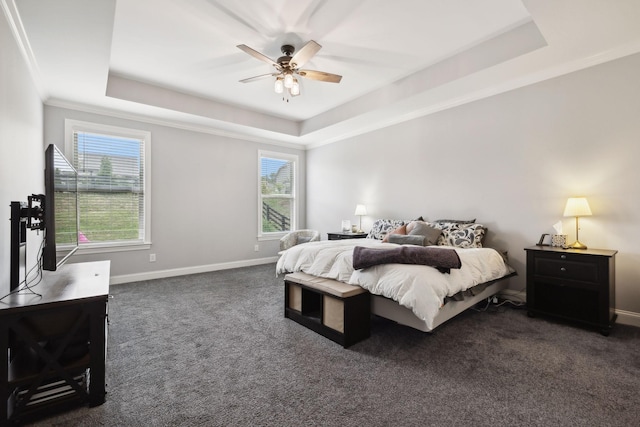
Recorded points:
(277,193)
(113,184)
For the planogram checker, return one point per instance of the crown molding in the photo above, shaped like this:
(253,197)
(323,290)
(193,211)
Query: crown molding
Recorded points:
(22,41)
(176,124)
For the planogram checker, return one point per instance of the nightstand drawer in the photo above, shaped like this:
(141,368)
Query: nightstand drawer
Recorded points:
(569,270)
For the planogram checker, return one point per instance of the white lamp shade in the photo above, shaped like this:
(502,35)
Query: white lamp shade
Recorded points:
(279,85)
(361,210)
(295,88)
(577,206)
(288,80)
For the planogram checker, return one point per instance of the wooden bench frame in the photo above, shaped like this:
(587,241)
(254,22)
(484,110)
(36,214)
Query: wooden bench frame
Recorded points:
(335,310)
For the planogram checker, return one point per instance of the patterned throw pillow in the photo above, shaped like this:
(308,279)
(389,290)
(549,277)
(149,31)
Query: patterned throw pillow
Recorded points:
(461,235)
(381,227)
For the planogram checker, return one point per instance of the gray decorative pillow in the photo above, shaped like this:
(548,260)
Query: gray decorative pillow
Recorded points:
(381,227)
(421,228)
(405,239)
(302,239)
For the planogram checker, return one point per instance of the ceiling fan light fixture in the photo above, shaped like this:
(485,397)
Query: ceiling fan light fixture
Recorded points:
(295,88)
(287,66)
(288,80)
(279,85)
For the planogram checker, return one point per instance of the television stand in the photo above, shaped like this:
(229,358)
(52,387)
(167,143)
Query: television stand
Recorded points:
(53,346)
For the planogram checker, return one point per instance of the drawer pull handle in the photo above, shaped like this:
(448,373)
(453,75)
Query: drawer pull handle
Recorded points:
(563,256)
(563,269)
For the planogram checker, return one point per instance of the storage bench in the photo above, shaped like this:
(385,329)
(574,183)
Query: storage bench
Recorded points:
(336,310)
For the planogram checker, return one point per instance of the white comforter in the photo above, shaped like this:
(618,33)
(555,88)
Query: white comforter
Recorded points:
(417,287)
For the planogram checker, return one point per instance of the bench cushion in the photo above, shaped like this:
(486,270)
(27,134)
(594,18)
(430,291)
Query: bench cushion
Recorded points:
(328,286)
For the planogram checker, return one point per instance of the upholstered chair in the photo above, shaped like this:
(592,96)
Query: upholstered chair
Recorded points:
(298,236)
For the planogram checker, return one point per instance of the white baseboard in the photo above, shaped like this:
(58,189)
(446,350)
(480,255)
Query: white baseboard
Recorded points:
(159,274)
(624,317)
(628,318)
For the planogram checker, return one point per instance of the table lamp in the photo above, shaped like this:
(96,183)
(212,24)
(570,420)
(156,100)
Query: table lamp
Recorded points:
(360,211)
(577,206)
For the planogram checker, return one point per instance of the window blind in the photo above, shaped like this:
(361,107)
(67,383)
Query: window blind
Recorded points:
(110,187)
(277,185)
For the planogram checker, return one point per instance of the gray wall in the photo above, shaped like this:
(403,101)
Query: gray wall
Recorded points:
(204,198)
(510,161)
(21,153)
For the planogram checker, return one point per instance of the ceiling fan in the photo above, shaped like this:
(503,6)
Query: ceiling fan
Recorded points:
(287,67)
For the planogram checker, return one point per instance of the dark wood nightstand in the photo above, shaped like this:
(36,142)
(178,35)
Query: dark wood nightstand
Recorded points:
(340,235)
(574,285)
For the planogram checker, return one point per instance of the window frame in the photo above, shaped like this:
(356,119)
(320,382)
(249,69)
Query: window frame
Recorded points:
(293,158)
(73,126)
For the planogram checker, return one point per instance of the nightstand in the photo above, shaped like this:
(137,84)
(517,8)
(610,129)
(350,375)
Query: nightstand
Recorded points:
(574,285)
(340,235)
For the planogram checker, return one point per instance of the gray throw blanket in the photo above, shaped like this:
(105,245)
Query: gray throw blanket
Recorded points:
(442,259)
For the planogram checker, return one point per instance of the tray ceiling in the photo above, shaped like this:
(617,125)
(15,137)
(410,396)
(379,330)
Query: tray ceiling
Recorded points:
(177,62)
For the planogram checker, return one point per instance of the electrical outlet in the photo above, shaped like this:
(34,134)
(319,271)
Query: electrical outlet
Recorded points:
(256,248)
(152,257)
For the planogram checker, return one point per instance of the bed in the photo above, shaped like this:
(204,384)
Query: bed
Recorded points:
(420,296)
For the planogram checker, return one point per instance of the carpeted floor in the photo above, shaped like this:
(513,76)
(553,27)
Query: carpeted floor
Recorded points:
(214,349)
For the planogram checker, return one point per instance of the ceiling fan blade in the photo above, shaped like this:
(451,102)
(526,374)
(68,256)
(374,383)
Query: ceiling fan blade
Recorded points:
(305,54)
(260,77)
(320,75)
(258,55)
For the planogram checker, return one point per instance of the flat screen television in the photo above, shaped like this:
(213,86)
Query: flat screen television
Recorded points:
(60,209)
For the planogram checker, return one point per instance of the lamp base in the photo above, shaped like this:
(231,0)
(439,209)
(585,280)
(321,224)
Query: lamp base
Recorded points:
(577,245)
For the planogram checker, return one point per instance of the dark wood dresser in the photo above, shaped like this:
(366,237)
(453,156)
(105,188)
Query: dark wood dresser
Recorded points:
(340,235)
(573,285)
(53,344)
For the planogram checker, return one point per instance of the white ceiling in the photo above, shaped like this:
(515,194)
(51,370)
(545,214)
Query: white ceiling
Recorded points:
(177,62)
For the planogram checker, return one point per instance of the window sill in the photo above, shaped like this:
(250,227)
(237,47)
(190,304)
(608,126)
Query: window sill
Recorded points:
(112,247)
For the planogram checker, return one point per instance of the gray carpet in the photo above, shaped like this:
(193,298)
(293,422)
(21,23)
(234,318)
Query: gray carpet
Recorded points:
(214,349)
